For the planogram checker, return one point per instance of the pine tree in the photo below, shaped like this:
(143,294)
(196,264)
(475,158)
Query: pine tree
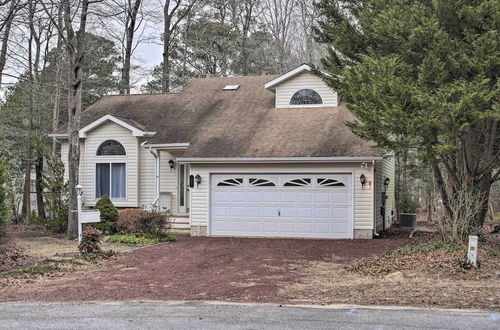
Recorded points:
(422,76)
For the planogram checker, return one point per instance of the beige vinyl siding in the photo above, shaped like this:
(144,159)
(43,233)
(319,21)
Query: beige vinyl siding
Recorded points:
(385,169)
(168,178)
(111,131)
(286,89)
(64,159)
(363,197)
(147,177)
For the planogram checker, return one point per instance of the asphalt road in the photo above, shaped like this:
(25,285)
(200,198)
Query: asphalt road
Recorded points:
(198,315)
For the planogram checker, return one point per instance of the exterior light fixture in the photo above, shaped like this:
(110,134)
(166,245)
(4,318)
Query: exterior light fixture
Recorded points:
(362,179)
(197,179)
(79,190)
(386,183)
(171,164)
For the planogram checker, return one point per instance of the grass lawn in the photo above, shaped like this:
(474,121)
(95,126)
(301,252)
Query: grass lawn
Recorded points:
(53,247)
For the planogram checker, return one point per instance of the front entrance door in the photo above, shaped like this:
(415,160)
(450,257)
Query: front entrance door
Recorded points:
(183,196)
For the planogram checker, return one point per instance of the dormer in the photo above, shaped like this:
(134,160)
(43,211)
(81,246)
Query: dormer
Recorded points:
(302,88)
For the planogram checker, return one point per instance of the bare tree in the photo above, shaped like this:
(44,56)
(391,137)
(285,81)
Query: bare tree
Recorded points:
(279,16)
(174,13)
(131,10)
(74,41)
(249,10)
(6,26)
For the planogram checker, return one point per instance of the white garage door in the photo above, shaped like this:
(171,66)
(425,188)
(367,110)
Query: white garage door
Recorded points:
(281,205)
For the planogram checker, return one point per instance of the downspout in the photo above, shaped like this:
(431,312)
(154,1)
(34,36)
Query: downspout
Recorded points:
(157,176)
(374,179)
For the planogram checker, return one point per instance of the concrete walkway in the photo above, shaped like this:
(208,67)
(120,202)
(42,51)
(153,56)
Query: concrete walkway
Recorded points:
(206,315)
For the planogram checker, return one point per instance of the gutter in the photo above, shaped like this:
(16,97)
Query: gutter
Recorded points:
(374,201)
(170,146)
(279,160)
(157,174)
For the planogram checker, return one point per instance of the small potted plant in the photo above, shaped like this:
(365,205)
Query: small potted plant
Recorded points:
(408,206)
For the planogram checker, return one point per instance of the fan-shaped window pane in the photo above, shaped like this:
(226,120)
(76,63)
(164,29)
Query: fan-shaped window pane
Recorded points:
(261,182)
(111,148)
(231,182)
(306,96)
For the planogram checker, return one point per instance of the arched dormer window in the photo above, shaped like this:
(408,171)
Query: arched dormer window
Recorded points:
(111,148)
(305,97)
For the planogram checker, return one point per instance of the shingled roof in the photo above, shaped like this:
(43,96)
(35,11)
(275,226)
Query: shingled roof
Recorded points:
(239,123)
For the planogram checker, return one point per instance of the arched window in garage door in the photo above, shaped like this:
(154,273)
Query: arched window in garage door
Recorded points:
(325,182)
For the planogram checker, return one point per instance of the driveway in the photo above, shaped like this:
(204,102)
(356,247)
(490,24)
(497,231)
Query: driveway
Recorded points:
(189,315)
(204,268)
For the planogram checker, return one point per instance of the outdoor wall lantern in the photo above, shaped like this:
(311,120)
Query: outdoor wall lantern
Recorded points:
(362,179)
(198,179)
(79,190)
(386,183)
(171,164)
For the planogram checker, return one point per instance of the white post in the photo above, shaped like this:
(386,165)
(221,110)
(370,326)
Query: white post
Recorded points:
(79,203)
(472,252)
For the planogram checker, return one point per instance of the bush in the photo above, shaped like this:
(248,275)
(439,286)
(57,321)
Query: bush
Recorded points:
(91,241)
(109,215)
(55,190)
(424,247)
(408,203)
(60,222)
(128,218)
(98,255)
(108,210)
(135,239)
(151,223)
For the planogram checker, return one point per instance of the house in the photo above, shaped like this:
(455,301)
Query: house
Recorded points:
(239,156)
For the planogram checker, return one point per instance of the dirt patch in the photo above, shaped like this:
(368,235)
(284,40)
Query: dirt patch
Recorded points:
(200,268)
(331,283)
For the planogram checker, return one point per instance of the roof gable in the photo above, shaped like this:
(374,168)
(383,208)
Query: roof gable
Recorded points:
(135,128)
(288,75)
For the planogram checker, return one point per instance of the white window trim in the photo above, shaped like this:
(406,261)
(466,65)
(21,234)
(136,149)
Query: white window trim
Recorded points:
(110,156)
(316,105)
(126,179)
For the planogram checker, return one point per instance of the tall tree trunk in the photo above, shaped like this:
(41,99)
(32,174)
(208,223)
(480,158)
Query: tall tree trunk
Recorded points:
(165,88)
(6,35)
(74,111)
(57,93)
(56,107)
(75,43)
(40,205)
(131,13)
(26,209)
(171,19)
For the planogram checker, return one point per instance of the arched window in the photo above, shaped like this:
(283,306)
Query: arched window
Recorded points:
(111,148)
(306,96)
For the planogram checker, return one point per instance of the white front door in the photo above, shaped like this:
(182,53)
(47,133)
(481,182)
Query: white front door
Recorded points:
(281,205)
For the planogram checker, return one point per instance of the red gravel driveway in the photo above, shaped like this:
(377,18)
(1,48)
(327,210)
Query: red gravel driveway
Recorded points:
(231,269)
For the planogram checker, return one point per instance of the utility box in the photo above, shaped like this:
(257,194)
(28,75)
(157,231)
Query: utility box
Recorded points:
(407,220)
(472,251)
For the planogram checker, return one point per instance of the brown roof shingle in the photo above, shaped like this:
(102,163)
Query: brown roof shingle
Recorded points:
(240,123)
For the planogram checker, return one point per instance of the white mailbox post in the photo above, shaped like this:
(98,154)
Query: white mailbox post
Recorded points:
(84,216)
